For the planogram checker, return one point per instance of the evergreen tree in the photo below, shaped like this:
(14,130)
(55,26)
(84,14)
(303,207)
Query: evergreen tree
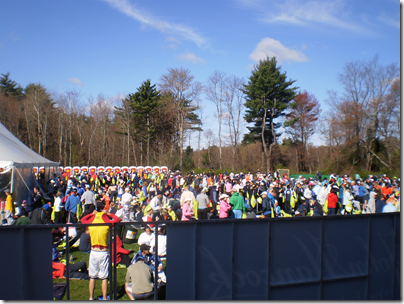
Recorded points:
(9,87)
(268,95)
(145,104)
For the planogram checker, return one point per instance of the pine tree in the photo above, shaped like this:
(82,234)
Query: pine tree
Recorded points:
(268,95)
(145,104)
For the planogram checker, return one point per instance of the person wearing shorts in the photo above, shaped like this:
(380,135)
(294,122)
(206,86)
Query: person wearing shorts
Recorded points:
(99,255)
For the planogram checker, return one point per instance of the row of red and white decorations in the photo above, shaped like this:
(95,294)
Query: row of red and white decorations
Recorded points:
(101,169)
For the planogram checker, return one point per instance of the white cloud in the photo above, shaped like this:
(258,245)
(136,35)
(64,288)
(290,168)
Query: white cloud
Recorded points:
(271,47)
(168,28)
(172,43)
(305,13)
(75,81)
(189,57)
(386,19)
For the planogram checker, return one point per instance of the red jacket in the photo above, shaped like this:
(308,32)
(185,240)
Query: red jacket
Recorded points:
(332,200)
(58,270)
(119,250)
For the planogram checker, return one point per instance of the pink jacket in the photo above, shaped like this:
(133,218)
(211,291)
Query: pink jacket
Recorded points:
(229,186)
(224,209)
(186,212)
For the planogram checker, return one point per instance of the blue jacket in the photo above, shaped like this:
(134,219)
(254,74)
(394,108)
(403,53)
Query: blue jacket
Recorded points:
(148,259)
(267,204)
(362,191)
(71,203)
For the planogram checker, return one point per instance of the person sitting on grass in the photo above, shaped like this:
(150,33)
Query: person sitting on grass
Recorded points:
(161,242)
(77,270)
(139,280)
(146,237)
(149,259)
(122,254)
(23,218)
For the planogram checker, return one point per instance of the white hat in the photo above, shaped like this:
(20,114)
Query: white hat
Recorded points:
(223,196)
(188,199)
(262,193)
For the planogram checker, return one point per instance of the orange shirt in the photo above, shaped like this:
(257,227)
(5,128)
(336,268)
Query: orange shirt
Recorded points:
(386,191)
(107,200)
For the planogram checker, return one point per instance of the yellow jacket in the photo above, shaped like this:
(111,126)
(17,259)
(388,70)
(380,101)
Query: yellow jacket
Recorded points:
(9,204)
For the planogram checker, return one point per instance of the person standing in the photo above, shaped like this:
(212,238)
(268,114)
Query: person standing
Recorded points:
(203,202)
(99,255)
(155,204)
(332,200)
(237,204)
(58,207)
(224,206)
(187,211)
(88,198)
(287,194)
(72,203)
(10,208)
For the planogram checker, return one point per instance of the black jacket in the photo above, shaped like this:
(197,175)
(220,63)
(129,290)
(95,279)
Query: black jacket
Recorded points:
(40,216)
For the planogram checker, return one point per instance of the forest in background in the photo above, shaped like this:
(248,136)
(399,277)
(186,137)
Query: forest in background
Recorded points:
(156,124)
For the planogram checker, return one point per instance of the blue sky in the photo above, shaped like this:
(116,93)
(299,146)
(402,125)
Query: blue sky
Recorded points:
(112,46)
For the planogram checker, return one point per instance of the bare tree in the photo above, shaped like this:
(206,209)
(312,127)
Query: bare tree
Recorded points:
(124,114)
(180,84)
(40,104)
(366,84)
(215,91)
(234,104)
(210,139)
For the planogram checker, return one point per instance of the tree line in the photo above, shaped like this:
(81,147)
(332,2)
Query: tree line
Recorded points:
(152,125)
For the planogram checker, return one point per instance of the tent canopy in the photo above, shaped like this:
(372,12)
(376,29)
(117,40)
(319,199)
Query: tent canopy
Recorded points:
(14,153)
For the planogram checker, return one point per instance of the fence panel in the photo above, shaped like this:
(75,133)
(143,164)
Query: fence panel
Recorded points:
(26,264)
(316,258)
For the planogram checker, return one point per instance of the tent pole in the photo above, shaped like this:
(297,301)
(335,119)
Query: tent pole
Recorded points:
(12,179)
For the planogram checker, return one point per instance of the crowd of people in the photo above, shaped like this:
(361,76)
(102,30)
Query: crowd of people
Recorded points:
(172,196)
(177,197)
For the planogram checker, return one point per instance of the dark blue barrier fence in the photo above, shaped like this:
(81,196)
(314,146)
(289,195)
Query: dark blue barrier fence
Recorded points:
(308,258)
(311,258)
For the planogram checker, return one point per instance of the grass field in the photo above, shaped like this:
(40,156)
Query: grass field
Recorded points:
(79,288)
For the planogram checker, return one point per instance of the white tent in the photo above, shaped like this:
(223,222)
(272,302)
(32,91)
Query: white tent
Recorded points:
(16,163)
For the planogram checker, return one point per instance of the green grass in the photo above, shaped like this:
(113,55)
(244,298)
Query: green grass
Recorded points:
(79,288)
